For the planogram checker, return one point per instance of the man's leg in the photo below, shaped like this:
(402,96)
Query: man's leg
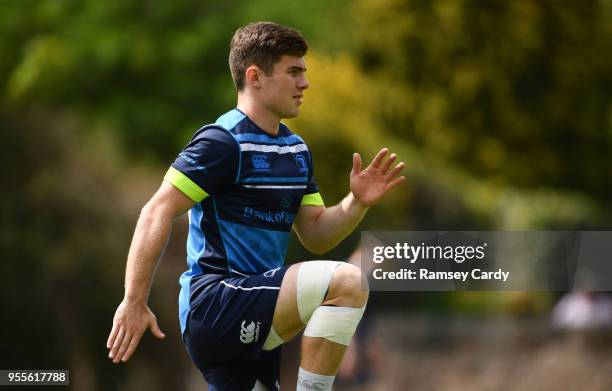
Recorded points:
(331,321)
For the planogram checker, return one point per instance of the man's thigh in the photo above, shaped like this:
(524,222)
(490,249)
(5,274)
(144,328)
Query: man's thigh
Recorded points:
(286,320)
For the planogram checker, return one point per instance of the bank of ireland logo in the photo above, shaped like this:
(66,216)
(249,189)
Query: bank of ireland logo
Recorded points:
(260,163)
(249,332)
(301,162)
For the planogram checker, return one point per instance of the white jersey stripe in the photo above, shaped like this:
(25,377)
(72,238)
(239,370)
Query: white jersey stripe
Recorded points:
(273,148)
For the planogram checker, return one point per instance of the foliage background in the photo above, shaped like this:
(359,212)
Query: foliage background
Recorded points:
(501,110)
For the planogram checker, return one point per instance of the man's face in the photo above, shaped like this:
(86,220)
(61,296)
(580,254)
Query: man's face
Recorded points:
(282,91)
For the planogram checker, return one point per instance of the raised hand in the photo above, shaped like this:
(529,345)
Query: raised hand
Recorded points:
(370,185)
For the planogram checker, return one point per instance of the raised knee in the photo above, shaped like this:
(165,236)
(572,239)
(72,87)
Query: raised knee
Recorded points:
(335,315)
(348,287)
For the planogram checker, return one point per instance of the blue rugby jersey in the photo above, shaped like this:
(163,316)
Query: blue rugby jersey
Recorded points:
(248,187)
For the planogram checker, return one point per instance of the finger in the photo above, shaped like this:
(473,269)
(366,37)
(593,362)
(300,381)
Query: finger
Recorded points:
(379,157)
(154,327)
(393,173)
(112,336)
(356,164)
(131,348)
(395,182)
(117,343)
(388,162)
(123,348)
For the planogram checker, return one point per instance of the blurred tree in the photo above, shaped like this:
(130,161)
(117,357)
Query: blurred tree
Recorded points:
(516,94)
(152,71)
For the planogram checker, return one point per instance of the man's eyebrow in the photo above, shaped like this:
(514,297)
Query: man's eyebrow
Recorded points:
(296,67)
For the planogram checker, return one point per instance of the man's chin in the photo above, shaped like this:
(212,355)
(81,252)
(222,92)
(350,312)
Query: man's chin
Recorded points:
(291,114)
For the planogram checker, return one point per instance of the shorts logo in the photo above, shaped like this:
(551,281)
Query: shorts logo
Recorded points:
(249,333)
(271,273)
(260,162)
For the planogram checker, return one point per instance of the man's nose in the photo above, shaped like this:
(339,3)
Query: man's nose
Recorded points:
(303,84)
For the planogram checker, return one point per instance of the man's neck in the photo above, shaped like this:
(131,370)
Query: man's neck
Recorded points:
(262,118)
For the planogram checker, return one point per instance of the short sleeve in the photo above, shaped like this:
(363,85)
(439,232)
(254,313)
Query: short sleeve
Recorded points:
(207,165)
(312,195)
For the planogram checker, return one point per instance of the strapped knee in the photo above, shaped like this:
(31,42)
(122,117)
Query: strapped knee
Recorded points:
(312,283)
(313,280)
(336,324)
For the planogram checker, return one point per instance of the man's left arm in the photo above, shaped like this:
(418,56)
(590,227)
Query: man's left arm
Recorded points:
(320,229)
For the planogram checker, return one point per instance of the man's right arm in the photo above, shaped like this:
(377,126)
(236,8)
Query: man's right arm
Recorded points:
(205,166)
(153,229)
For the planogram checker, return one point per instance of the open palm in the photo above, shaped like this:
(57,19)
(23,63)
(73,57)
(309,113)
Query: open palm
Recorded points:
(370,185)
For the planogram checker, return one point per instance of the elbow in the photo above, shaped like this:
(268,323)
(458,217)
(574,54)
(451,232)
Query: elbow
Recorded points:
(312,240)
(317,248)
(317,251)
(149,209)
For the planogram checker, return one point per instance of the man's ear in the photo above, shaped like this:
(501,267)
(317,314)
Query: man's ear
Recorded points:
(253,76)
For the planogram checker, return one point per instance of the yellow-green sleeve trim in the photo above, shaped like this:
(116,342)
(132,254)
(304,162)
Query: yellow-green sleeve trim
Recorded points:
(313,199)
(186,185)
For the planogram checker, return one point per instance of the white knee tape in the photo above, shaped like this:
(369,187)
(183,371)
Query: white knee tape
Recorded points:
(312,282)
(336,324)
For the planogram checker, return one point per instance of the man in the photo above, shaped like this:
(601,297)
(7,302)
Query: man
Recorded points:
(246,181)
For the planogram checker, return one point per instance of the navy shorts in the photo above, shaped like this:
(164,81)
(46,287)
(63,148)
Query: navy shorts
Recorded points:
(225,332)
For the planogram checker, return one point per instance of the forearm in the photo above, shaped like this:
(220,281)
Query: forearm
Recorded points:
(333,225)
(148,244)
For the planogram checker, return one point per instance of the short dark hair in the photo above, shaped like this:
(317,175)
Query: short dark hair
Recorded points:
(262,44)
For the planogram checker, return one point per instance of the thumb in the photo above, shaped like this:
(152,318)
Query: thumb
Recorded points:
(356,164)
(156,330)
